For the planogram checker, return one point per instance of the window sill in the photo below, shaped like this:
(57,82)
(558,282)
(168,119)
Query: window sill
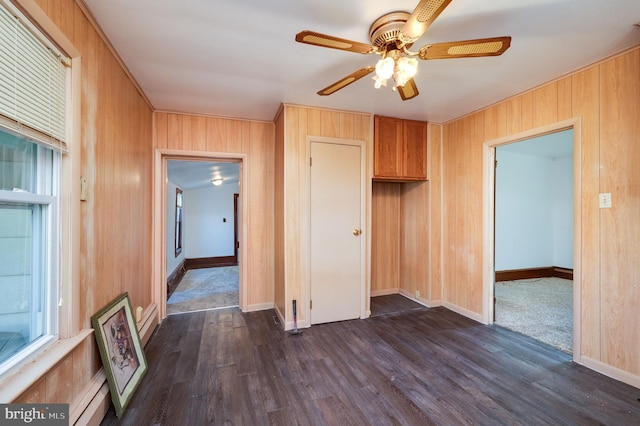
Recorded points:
(19,381)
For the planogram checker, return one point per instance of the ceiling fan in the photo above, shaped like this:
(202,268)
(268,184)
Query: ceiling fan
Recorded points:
(392,35)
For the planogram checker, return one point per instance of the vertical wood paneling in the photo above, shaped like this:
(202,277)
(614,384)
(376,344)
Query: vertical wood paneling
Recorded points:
(491,123)
(564,99)
(298,123)
(235,135)
(526,100)
(115,153)
(585,104)
(256,140)
(162,130)
(606,99)
(187,131)
(435,213)
(58,386)
(199,133)
(330,122)
(414,244)
(216,134)
(347,125)
(279,215)
(514,115)
(174,131)
(620,241)
(385,237)
(545,105)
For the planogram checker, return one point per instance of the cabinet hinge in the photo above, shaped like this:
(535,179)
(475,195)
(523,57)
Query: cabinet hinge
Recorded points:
(310,304)
(310,161)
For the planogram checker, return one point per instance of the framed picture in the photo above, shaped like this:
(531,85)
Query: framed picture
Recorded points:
(120,349)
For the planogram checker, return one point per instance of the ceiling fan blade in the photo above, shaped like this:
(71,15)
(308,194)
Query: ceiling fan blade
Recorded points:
(346,81)
(466,48)
(409,90)
(422,17)
(323,40)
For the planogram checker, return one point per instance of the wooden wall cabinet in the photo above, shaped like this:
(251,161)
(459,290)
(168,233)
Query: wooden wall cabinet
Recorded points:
(399,149)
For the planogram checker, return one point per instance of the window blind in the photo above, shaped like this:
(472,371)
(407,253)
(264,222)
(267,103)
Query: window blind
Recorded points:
(32,83)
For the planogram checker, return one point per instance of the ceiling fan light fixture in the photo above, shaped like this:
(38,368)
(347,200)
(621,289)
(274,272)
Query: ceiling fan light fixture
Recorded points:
(217,181)
(405,69)
(384,71)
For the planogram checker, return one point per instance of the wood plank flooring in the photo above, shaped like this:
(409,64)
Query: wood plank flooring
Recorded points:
(407,365)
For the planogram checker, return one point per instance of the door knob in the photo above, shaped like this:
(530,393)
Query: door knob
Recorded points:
(357,232)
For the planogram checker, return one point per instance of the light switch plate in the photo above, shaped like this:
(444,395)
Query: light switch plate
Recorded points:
(84,189)
(605,200)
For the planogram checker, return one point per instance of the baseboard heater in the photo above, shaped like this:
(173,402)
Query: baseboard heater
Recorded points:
(529,273)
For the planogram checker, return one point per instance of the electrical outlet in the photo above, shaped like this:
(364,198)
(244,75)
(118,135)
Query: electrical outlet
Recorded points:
(605,200)
(417,294)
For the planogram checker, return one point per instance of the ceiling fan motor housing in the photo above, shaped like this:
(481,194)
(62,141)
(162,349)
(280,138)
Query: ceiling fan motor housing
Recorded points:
(385,31)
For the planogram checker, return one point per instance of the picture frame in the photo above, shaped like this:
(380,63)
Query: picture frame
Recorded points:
(121,350)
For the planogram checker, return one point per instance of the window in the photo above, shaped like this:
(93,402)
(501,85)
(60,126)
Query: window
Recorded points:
(178,221)
(33,94)
(28,218)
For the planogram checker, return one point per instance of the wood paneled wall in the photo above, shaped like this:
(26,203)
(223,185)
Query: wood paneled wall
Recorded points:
(193,134)
(406,232)
(385,238)
(295,123)
(606,99)
(116,159)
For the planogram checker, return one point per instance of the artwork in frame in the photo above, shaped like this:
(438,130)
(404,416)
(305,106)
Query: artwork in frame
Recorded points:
(121,350)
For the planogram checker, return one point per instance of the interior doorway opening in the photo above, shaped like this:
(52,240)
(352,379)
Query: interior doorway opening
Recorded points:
(533,289)
(528,242)
(202,173)
(204,273)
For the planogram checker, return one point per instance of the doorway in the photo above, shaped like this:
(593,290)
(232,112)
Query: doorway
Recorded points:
(214,166)
(533,289)
(337,246)
(205,271)
(492,221)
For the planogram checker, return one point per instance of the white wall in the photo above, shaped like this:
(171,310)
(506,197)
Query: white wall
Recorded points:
(172,261)
(534,211)
(563,212)
(205,231)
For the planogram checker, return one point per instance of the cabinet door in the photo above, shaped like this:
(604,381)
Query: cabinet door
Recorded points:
(414,150)
(387,157)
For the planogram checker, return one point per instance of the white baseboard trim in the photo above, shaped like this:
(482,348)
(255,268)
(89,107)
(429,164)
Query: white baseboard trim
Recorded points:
(97,409)
(385,292)
(613,372)
(301,324)
(462,311)
(93,404)
(423,302)
(260,307)
(278,314)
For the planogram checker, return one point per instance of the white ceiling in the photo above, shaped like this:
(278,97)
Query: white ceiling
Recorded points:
(199,174)
(239,58)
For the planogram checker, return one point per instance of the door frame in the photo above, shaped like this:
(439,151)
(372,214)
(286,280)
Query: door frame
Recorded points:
(159,218)
(488,207)
(306,214)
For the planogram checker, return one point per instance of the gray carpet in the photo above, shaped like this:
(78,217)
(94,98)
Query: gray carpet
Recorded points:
(207,288)
(540,308)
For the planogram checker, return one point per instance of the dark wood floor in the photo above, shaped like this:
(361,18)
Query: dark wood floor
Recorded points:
(407,365)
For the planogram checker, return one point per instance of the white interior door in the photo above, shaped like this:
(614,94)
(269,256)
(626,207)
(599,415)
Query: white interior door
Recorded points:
(336,272)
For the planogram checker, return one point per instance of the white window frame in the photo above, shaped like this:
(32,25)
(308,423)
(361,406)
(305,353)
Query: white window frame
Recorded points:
(48,268)
(62,213)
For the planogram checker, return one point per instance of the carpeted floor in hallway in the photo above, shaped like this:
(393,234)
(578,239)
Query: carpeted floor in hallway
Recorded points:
(207,288)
